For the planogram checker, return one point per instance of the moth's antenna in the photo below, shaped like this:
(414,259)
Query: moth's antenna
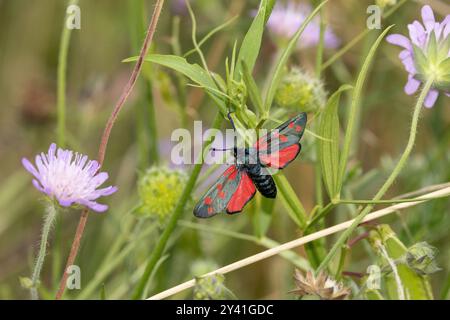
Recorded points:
(216,149)
(231,120)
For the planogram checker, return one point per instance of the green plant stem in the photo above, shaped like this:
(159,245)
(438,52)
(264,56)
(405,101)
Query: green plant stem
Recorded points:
(398,168)
(61,82)
(194,38)
(319,54)
(319,61)
(48,223)
(355,106)
(170,227)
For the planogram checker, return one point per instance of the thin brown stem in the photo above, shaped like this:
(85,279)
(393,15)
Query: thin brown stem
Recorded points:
(131,82)
(73,252)
(106,134)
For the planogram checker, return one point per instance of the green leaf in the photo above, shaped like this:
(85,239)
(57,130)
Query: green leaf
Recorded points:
(416,286)
(269,7)
(372,294)
(102,292)
(252,88)
(329,145)
(252,41)
(277,75)
(191,70)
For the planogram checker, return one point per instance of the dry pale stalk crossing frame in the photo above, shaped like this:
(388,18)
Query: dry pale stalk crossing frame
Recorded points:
(302,241)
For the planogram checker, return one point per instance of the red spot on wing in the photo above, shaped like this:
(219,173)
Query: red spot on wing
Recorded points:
(282,158)
(208,201)
(221,194)
(291,125)
(219,186)
(261,143)
(283,138)
(244,192)
(231,172)
(210,210)
(298,128)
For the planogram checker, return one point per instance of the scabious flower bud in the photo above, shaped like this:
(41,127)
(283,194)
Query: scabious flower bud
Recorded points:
(300,91)
(421,257)
(211,288)
(159,190)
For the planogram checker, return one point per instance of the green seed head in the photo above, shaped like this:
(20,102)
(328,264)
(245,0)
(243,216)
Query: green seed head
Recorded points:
(210,288)
(300,92)
(159,190)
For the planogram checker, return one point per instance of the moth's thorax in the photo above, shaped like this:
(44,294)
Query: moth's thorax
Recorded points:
(246,156)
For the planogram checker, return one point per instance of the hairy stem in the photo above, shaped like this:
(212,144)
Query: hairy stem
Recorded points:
(398,168)
(48,223)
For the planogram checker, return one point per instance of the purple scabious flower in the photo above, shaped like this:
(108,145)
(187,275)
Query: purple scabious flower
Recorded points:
(426,54)
(286,19)
(71,180)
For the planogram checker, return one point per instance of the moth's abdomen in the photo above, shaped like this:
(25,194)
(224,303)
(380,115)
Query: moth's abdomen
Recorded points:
(264,183)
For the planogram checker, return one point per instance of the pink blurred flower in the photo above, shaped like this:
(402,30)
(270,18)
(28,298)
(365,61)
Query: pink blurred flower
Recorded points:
(287,18)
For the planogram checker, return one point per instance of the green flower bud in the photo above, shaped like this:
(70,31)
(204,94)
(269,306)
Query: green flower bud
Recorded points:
(238,92)
(300,92)
(159,190)
(421,258)
(211,288)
